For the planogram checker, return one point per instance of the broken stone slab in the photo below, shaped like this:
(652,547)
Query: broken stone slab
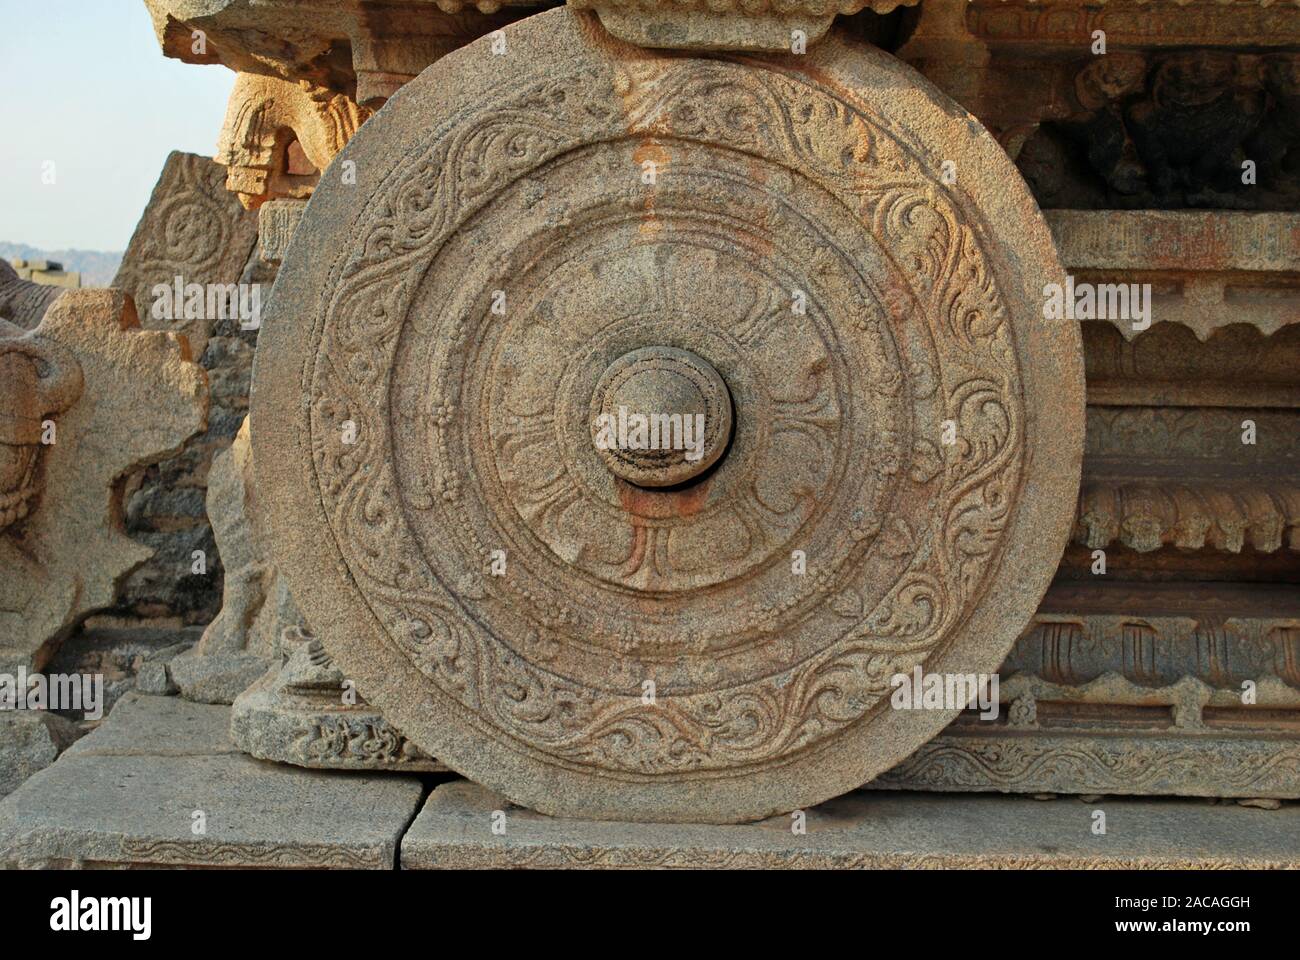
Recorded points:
(194,229)
(861,830)
(304,712)
(215,678)
(30,740)
(152,726)
(134,797)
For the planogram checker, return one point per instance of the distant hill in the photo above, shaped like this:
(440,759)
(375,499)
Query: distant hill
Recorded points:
(97,267)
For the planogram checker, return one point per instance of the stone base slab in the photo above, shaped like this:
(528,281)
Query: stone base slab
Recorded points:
(135,792)
(270,723)
(864,830)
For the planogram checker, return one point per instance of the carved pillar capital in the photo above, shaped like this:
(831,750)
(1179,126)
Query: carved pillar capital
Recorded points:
(280,134)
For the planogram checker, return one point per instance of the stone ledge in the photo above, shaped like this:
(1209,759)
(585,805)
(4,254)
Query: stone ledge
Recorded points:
(150,726)
(865,830)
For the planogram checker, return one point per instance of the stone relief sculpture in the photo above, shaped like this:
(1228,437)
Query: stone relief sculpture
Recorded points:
(304,711)
(38,380)
(279,134)
(191,229)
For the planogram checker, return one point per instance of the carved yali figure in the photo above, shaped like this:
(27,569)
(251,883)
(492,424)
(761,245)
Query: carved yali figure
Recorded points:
(86,397)
(38,379)
(583,228)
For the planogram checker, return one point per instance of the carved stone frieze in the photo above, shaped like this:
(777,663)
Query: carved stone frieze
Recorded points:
(1183,477)
(1208,269)
(1263,514)
(772,25)
(1134,702)
(1093,762)
(1164,116)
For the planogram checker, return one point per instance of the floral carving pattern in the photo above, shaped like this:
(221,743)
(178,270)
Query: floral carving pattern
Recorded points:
(471,435)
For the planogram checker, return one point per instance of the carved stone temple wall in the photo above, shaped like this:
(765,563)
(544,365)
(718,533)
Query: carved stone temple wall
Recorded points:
(989,312)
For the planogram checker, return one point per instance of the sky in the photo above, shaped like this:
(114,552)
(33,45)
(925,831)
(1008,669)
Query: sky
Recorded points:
(84,85)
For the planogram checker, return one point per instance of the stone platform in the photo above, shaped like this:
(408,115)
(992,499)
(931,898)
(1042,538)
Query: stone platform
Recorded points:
(128,794)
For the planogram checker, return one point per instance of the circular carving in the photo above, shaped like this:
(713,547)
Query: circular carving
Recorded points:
(892,440)
(660,416)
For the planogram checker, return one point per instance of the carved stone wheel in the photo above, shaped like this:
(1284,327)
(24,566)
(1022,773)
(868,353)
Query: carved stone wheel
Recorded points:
(623,634)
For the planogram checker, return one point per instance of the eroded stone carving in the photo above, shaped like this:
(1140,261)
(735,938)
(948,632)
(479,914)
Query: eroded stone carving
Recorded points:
(22,301)
(440,431)
(304,712)
(242,642)
(1183,477)
(774,25)
(111,398)
(280,134)
(38,380)
(1183,94)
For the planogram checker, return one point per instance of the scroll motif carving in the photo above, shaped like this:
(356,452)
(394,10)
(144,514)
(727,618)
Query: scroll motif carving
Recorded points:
(745,522)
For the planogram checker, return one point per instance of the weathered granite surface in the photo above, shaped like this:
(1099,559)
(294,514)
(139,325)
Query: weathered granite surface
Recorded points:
(133,794)
(442,430)
(863,831)
(31,740)
(153,726)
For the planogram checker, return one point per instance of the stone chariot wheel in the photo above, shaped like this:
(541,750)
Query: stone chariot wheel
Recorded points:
(829,264)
